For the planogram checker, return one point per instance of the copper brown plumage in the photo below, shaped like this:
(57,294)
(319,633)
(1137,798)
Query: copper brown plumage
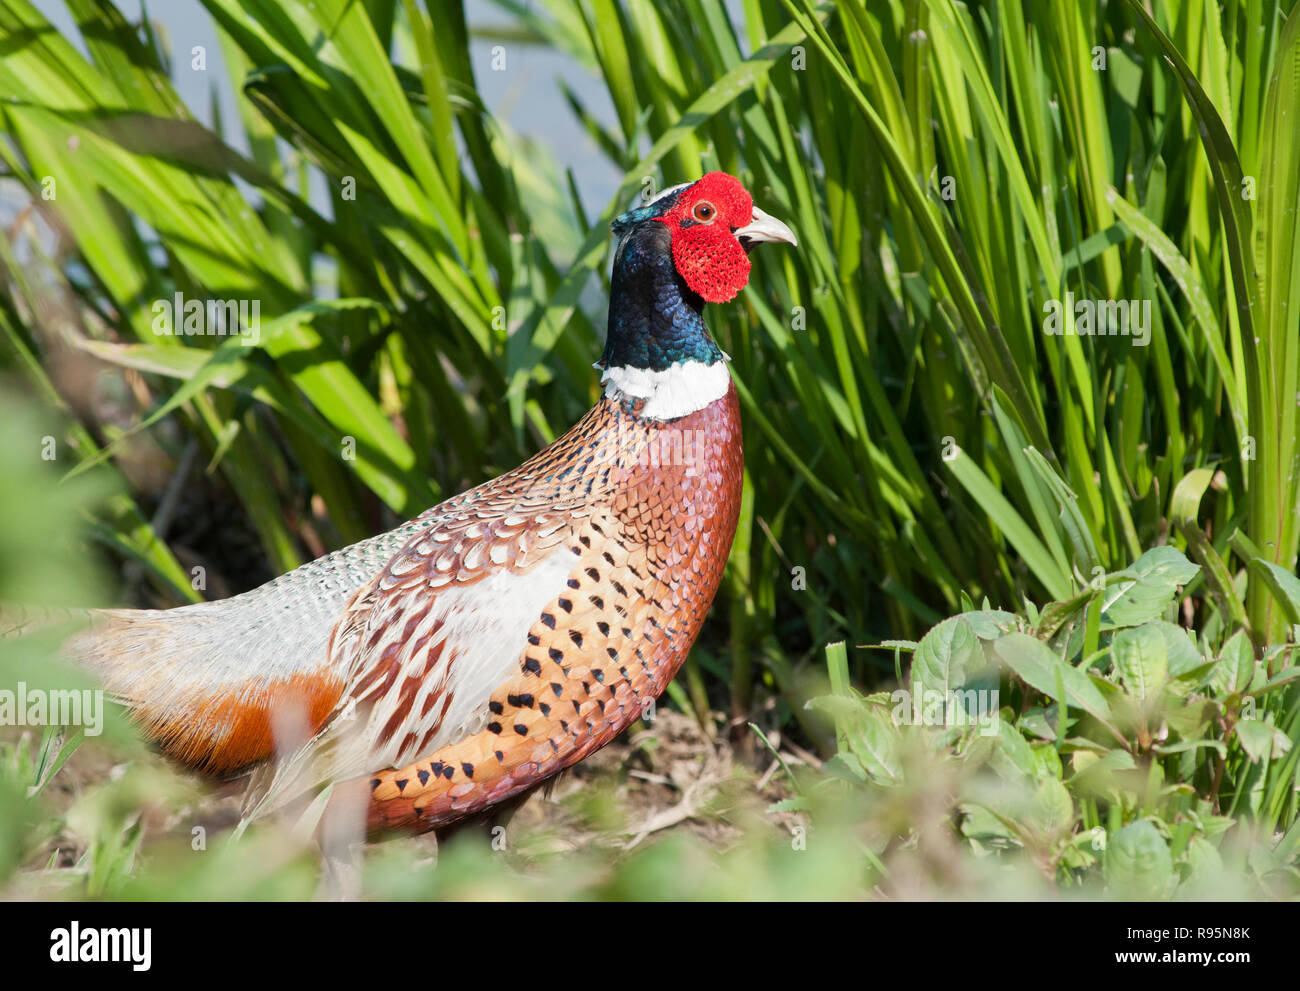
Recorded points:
(652,540)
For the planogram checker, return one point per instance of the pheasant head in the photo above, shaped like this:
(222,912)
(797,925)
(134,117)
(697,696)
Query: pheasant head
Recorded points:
(687,248)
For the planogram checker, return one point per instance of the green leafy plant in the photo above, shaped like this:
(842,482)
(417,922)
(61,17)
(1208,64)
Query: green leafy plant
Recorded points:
(1117,751)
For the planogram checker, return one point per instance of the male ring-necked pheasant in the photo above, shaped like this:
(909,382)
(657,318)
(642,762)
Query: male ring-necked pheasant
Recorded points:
(508,632)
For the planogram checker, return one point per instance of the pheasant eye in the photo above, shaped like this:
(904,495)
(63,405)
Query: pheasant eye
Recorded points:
(703,211)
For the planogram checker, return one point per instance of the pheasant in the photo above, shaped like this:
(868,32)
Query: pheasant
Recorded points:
(508,632)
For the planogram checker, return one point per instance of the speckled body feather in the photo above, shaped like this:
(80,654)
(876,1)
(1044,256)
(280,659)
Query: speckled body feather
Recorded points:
(649,510)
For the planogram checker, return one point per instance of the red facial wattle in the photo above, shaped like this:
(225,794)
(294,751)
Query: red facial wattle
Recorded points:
(705,251)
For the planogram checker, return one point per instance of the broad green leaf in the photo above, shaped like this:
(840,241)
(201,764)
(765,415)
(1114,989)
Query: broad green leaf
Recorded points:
(1236,665)
(1142,660)
(1013,757)
(1179,648)
(1165,749)
(1039,668)
(1095,776)
(1138,863)
(1143,590)
(1051,814)
(947,657)
(1184,507)
(1261,740)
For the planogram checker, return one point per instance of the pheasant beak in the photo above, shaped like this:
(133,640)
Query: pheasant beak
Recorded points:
(764,227)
